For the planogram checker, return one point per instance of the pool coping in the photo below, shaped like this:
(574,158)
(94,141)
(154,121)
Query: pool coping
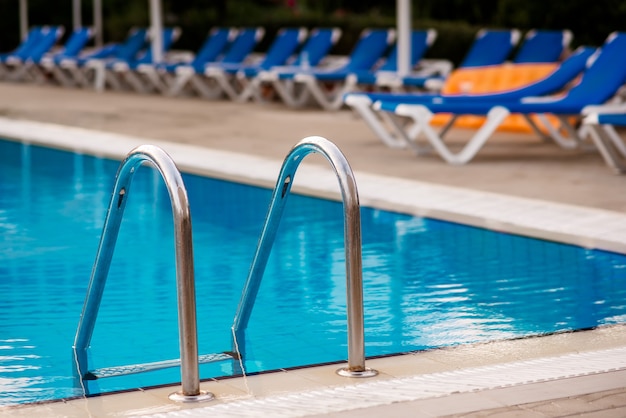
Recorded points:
(491,375)
(583,226)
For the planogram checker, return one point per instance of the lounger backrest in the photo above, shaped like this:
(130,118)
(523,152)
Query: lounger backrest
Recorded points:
(31,40)
(284,46)
(76,42)
(318,45)
(214,46)
(605,73)
(243,45)
(565,73)
(370,47)
(491,47)
(49,37)
(168,37)
(543,46)
(135,41)
(421,40)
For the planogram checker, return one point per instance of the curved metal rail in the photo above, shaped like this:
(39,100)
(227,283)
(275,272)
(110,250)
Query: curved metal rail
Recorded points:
(156,157)
(352,241)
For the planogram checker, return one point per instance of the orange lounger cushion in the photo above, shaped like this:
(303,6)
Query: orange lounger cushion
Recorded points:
(492,79)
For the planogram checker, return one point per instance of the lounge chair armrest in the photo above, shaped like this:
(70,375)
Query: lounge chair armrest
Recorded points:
(333,62)
(591,119)
(540,99)
(430,67)
(180,57)
(387,78)
(434,84)
(606,108)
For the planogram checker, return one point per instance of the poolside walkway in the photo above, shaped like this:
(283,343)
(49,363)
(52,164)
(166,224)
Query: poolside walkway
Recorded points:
(511,164)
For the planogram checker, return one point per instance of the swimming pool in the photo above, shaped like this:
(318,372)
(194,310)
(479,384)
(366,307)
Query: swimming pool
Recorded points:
(427,283)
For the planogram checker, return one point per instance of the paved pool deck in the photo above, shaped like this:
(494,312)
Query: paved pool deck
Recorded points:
(512,165)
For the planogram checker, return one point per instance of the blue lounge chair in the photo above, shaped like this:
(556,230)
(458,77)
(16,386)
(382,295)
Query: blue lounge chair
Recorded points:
(24,47)
(191,76)
(317,46)
(556,81)
(387,72)
(600,82)
(79,71)
(22,51)
(41,71)
(601,122)
(543,46)
(122,75)
(490,47)
(538,46)
(69,71)
(326,86)
(74,45)
(160,77)
(234,79)
(16,65)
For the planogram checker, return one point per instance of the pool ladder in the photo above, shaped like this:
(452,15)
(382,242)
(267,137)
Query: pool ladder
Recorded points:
(185,283)
(352,242)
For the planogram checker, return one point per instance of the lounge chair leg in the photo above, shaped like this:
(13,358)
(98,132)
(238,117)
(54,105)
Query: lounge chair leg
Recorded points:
(615,138)
(179,83)
(99,76)
(87,78)
(309,84)
(362,106)
(408,137)
(249,90)
(262,92)
(134,79)
(154,80)
(39,75)
(204,90)
(163,82)
(422,115)
(535,128)
(112,80)
(448,125)
(571,141)
(226,82)
(292,94)
(60,76)
(609,148)
(18,73)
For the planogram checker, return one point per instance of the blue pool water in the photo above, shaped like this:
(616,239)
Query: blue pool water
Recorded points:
(427,283)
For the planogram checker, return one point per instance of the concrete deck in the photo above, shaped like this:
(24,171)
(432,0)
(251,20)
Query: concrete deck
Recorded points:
(511,164)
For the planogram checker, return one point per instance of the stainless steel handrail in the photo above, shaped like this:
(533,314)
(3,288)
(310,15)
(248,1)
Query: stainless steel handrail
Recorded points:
(185,285)
(352,237)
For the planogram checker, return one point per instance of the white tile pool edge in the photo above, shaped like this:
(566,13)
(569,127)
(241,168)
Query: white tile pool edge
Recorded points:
(527,370)
(586,227)
(413,388)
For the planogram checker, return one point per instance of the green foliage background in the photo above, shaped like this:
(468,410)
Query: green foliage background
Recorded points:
(455,20)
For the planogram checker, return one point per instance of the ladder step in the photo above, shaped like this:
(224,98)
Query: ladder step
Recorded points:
(157,365)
